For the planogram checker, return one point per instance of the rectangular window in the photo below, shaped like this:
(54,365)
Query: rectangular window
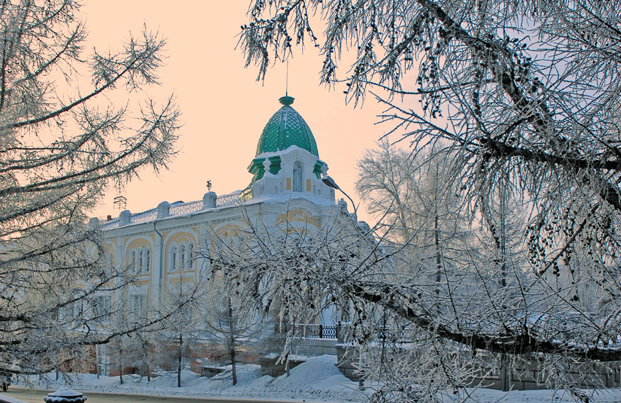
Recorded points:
(77,309)
(139,306)
(103,360)
(102,308)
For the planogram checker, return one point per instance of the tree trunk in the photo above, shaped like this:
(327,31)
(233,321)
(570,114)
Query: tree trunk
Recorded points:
(504,373)
(232,342)
(121,365)
(180,358)
(436,242)
(287,364)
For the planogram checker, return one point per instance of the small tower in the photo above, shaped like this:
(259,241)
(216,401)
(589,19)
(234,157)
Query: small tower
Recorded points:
(287,159)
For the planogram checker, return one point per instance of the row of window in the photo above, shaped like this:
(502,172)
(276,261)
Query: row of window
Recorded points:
(139,260)
(75,311)
(182,256)
(101,308)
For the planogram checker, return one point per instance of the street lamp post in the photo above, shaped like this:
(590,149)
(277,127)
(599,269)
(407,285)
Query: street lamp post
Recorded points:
(331,183)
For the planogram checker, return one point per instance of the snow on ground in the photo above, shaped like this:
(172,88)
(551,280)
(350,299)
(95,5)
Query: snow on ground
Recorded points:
(316,380)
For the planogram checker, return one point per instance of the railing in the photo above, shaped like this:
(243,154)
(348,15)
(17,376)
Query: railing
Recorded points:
(185,208)
(229,199)
(317,331)
(174,210)
(110,224)
(379,333)
(105,224)
(146,216)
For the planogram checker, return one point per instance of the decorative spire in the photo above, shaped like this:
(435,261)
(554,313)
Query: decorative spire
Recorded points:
(286,100)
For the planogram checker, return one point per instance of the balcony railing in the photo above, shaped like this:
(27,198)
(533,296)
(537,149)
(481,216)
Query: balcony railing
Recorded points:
(177,209)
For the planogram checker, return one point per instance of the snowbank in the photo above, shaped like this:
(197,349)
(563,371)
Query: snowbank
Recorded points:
(315,380)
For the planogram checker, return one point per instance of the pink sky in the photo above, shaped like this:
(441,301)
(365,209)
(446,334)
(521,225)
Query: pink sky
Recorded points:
(224,108)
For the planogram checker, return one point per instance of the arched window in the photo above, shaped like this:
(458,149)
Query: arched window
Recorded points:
(173,258)
(181,256)
(297,177)
(191,257)
(183,263)
(147,260)
(140,260)
(132,261)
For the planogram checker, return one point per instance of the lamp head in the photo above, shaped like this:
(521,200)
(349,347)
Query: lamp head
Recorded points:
(330,182)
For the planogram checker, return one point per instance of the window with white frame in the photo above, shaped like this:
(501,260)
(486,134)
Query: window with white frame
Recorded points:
(138,306)
(132,261)
(101,308)
(173,258)
(146,260)
(103,360)
(182,256)
(139,260)
(297,177)
(191,256)
(74,310)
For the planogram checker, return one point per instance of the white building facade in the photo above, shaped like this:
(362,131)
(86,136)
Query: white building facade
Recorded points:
(160,246)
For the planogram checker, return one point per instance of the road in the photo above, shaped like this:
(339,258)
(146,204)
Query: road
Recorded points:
(37,396)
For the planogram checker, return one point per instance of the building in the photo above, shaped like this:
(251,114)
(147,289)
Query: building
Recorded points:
(159,245)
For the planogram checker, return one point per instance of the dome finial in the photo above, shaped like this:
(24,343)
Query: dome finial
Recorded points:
(286,100)
(287,81)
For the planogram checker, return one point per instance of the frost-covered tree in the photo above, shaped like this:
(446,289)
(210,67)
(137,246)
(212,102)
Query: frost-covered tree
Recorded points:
(416,202)
(225,324)
(185,299)
(63,143)
(283,272)
(525,95)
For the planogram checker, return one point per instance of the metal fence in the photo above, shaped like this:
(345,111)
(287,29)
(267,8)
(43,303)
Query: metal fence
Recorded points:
(317,331)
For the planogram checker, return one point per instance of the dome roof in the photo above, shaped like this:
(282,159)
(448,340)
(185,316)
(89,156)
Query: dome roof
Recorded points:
(284,129)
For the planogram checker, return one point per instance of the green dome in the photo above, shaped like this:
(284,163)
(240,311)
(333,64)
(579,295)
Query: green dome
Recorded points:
(286,128)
